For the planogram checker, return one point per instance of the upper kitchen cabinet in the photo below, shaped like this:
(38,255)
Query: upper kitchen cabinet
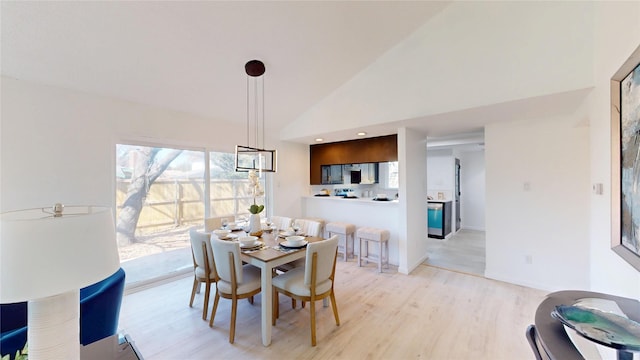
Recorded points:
(370,150)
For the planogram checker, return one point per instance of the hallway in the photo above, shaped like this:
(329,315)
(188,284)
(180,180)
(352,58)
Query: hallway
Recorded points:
(463,252)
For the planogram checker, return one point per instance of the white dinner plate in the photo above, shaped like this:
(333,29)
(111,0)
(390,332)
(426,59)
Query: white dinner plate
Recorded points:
(287,245)
(256,243)
(228,237)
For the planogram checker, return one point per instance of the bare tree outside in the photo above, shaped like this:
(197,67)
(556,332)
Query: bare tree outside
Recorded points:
(147,164)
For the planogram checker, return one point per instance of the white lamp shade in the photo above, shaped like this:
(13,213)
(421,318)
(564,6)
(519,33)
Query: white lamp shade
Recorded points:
(42,255)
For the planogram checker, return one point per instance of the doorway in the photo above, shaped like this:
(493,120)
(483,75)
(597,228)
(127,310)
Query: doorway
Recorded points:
(464,249)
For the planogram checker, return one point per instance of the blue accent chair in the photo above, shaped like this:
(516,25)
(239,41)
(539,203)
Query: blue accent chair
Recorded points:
(99,313)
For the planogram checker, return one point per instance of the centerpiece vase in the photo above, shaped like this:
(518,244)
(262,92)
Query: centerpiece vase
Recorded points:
(255,227)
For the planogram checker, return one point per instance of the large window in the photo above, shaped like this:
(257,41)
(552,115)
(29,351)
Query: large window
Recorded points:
(159,196)
(161,192)
(230,195)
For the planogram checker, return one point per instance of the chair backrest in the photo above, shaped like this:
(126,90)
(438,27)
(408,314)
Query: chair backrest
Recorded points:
(213,223)
(221,251)
(326,258)
(281,222)
(202,256)
(309,227)
(100,308)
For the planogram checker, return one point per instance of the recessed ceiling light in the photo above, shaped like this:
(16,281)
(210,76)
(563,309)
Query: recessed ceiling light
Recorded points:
(362,133)
(319,139)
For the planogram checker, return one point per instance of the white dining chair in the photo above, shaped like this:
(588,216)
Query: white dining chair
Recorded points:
(312,228)
(213,223)
(314,281)
(235,281)
(281,222)
(204,268)
(309,227)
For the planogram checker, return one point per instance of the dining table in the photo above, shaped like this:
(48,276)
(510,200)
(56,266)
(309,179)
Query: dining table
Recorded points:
(267,258)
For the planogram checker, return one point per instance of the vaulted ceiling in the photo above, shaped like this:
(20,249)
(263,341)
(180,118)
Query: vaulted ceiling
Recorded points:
(190,56)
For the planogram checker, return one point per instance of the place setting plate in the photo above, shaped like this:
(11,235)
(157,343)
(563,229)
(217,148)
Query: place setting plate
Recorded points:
(284,234)
(285,244)
(296,242)
(228,236)
(255,246)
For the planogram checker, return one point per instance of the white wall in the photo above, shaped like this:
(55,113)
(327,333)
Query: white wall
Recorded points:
(58,145)
(412,204)
(617,35)
(441,173)
(472,190)
(292,179)
(537,203)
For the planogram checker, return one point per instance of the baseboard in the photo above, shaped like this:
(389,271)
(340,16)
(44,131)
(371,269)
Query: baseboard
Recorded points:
(514,281)
(143,285)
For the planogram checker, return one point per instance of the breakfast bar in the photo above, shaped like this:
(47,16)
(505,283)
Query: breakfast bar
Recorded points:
(358,211)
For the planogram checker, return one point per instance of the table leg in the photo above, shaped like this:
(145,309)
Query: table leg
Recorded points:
(267,307)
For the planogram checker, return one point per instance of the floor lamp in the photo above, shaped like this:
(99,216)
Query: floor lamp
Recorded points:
(46,256)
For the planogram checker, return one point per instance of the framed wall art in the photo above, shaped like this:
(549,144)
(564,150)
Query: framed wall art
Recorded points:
(625,180)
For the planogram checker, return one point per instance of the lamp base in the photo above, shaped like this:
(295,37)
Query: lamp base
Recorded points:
(54,327)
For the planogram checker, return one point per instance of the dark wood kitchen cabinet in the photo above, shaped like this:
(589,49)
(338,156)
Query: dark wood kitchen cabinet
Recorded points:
(370,150)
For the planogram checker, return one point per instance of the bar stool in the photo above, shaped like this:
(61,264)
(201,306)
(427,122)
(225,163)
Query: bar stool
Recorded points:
(380,236)
(346,230)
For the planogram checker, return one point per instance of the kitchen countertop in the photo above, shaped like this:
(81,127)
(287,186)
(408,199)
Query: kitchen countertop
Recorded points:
(358,200)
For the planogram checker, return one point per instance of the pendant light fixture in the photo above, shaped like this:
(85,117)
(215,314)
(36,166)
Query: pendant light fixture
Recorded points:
(253,156)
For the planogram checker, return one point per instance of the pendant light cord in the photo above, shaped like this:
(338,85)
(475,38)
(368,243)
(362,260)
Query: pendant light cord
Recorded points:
(258,135)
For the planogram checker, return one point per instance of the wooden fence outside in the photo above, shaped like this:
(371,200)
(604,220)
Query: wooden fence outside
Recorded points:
(174,203)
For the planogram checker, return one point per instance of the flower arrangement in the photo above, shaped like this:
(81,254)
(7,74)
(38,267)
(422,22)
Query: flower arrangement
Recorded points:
(255,188)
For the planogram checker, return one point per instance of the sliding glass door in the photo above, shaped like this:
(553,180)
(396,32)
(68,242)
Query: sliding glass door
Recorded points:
(159,196)
(161,192)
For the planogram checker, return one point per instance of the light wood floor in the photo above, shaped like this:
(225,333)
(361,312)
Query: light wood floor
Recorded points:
(463,251)
(430,314)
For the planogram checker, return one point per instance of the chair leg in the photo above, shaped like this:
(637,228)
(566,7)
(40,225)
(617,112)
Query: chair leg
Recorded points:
(335,308)
(250,299)
(193,291)
(215,307)
(386,246)
(531,338)
(207,292)
(275,307)
(293,303)
(379,256)
(312,310)
(360,252)
(234,311)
